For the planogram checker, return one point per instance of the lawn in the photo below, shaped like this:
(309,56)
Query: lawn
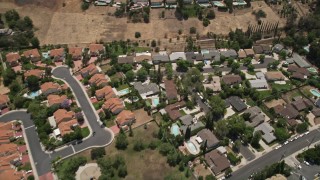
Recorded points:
(122,86)
(110,123)
(250,102)
(264,94)
(282,87)
(85,132)
(182,112)
(146,164)
(105,68)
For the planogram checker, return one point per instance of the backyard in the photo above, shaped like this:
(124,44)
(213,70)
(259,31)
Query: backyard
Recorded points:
(146,164)
(282,87)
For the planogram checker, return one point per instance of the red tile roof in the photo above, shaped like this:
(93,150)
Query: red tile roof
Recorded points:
(113,104)
(98,80)
(56,99)
(49,85)
(31,53)
(4,99)
(57,52)
(34,72)
(96,47)
(171,90)
(106,92)
(173,110)
(12,57)
(63,115)
(125,116)
(65,127)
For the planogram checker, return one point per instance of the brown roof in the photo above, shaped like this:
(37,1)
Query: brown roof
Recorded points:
(242,54)
(65,127)
(207,135)
(289,112)
(49,85)
(316,112)
(98,79)
(106,92)
(91,69)
(292,68)
(56,99)
(57,52)
(4,99)
(278,108)
(31,53)
(34,72)
(63,115)
(297,75)
(75,51)
(141,58)
(274,75)
(7,149)
(249,52)
(301,104)
(171,90)
(125,116)
(6,125)
(11,174)
(113,104)
(217,161)
(125,60)
(292,122)
(96,47)
(173,109)
(231,79)
(12,57)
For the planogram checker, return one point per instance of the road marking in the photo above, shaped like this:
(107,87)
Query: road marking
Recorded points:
(29,127)
(73,149)
(308,140)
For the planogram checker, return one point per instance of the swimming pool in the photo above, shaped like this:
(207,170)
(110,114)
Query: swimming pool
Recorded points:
(32,95)
(175,130)
(315,92)
(123,92)
(218,4)
(155,102)
(312,70)
(45,55)
(192,148)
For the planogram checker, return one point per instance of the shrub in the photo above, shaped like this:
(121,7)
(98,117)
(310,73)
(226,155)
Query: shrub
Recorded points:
(153,145)
(85,6)
(97,153)
(193,30)
(137,34)
(205,22)
(138,145)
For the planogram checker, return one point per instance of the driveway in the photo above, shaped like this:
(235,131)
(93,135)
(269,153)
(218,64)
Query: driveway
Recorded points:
(247,154)
(42,160)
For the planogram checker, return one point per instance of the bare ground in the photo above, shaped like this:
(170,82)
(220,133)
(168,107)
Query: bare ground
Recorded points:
(69,25)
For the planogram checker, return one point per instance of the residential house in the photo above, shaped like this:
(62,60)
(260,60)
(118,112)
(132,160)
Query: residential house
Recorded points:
(4,101)
(173,110)
(34,72)
(33,54)
(217,162)
(204,3)
(142,57)
(5,136)
(316,112)
(114,105)
(301,104)
(266,49)
(301,62)
(162,57)
(229,53)
(317,103)
(98,80)
(12,173)
(256,116)
(56,100)
(260,82)
(142,3)
(288,111)
(96,50)
(76,53)
(206,135)
(89,70)
(257,49)
(174,56)
(192,56)
(249,52)
(189,121)
(267,132)
(8,149)
(277,48)
(106,92)
(171,3)
(242,54)
(58,55)
(49,88)
(215,84)
(6,32)
(211,54)
(125,119)
(298,72)
(62,115)
(146,90)
(156,3)
(236,103)
(66,127)
(13,59)
(171,90)
(274,76)
(231,79)
(124,59)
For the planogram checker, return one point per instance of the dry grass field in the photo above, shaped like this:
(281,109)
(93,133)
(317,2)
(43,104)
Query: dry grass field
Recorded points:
(58,24)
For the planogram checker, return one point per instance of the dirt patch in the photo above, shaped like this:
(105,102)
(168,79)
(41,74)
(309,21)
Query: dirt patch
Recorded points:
(141,117)
(63,22)
(274,103)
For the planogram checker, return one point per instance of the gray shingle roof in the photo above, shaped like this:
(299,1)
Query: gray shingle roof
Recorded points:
(300,61)
(160,58)
(236,103)
(151,88)
(267,132)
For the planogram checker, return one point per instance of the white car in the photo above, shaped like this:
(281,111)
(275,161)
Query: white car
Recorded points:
(296,137)
(286,142)
(308,164)
(278,147)
(307,132)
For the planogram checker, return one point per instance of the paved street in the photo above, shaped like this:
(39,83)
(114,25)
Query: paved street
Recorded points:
(42,160)
(275,155)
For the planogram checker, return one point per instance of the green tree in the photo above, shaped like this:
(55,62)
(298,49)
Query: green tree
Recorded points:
(255,140)
(33,83)
(122,171)
(153,43)
(301,128)
(193,30)
(182,65)
(15,87)
(137,34)
(188,133)
(85,6)
(211,14)
(121,141)
(8,76)
(97,153)
(138,145)
(142,74)
(130,76)
(281,134)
